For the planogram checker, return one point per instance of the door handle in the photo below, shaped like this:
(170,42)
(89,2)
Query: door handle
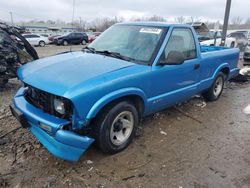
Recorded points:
(196,66)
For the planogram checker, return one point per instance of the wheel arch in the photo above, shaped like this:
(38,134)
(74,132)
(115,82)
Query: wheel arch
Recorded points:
(65,40)
(222,68)
(41,41)
(136,96)
(225,71)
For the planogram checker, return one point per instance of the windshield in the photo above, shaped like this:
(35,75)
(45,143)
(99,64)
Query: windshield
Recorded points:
(135,42)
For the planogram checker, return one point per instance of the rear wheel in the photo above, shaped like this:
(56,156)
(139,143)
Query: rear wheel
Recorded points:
(214,92)
(114,128)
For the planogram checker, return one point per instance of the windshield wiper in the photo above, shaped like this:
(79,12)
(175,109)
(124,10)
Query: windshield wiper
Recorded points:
(92,50)
(114,54)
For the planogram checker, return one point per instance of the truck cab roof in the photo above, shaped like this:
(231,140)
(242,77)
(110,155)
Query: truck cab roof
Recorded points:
(155,24)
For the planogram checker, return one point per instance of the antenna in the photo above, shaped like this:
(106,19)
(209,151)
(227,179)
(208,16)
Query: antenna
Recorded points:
(72,24)
(11,18)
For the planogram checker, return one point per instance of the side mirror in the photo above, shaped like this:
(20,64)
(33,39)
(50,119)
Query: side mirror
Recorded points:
(173,58)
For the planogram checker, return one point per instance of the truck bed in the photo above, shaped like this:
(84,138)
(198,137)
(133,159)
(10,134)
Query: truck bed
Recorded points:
(205,48)
(215,58)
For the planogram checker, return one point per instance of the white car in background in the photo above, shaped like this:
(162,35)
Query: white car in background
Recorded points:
(231,42)
(36,40)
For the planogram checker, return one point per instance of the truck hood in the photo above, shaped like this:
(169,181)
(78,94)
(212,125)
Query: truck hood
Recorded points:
(57,74)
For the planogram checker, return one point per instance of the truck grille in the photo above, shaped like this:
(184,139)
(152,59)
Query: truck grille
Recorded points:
(45,101)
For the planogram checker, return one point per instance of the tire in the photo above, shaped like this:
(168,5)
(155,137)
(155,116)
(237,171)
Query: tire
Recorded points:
(84,42)
(214,92)
(65,43)
(42,43)
(119,120)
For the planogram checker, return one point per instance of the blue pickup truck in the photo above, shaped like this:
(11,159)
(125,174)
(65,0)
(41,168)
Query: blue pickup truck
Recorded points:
(99,94)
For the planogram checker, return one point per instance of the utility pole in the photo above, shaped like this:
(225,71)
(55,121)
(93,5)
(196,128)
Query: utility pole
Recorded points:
(225,24)
(11,18)
(80,24)
(73,14)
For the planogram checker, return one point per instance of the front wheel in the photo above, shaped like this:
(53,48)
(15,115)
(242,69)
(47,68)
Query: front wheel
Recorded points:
(115,127)
(214,92)
(42,43)
(84,42)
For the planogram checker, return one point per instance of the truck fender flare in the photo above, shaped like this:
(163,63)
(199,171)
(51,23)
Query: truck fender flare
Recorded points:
(222,66)
(113,96)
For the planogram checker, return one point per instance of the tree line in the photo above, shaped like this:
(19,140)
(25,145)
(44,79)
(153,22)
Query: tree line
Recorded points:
(101,24)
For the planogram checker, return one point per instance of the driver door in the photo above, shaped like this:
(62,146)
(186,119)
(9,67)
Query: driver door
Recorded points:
(172,83)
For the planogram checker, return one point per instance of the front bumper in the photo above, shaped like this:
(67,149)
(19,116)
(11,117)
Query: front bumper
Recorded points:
(64,144)
(58,42)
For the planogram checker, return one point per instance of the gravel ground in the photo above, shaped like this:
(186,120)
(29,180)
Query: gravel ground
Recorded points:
(206,146)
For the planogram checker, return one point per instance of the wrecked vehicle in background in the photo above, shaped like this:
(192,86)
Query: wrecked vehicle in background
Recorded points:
(15,50)
(241,38)
(210,37)
(216,40)
(70,100)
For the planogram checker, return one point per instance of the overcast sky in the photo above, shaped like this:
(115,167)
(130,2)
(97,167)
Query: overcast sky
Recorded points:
(91,9)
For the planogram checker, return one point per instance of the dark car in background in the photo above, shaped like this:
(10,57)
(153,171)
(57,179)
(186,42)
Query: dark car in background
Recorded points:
(52,37)
(72,38)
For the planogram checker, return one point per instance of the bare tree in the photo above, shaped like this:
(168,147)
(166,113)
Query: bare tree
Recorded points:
(102,24)
(155,18)
(247,23)
(236,23)
(192,19)
(237,20)
(180,19)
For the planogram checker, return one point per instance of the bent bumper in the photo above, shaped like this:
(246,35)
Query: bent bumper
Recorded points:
(233,72)
(63,144)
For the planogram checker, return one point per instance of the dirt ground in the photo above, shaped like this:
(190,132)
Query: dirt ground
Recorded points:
(206,146)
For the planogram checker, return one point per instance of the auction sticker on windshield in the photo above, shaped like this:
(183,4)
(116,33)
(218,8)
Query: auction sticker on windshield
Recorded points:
(150,30)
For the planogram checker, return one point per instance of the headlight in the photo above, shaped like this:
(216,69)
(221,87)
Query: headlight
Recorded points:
(59,106)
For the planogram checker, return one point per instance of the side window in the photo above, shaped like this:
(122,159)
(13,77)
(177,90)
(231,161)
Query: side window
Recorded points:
(181,40)
(72,35)
(27,36)
(219,34)
(79,35)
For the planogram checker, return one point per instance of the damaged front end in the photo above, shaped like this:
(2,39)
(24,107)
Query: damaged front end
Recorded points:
(36,110)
